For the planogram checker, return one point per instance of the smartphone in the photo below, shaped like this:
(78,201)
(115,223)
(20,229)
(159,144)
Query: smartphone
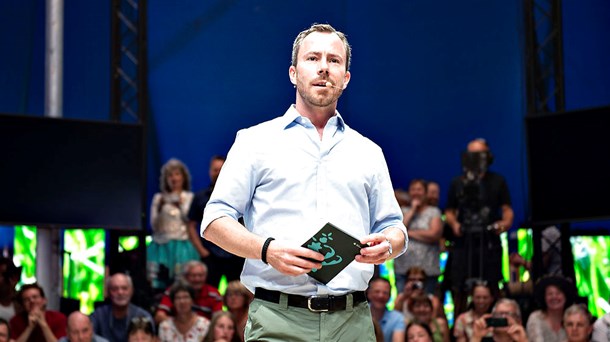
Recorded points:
(496,322)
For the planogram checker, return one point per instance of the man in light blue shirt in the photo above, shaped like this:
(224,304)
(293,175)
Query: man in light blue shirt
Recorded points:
(288,177)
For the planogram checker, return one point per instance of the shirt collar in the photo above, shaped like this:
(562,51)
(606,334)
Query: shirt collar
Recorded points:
(293,117)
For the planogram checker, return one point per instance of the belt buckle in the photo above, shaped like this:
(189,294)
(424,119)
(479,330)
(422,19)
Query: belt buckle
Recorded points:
(318,303)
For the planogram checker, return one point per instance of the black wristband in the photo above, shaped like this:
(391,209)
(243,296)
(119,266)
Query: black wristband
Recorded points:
(264,250)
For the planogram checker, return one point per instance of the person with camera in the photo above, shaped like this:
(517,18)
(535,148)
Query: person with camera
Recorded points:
(482,301)
(414,287)
(504,324)
(478,211)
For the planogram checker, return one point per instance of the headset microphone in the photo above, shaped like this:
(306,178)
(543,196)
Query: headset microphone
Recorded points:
(328,84)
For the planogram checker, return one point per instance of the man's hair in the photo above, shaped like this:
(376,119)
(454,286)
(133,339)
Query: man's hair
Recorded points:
(29,287)
(511,302)
(129,281)
(187,267)
(298,41)
(577,309)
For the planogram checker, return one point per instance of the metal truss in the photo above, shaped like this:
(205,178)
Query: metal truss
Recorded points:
(544,56)
(128,60)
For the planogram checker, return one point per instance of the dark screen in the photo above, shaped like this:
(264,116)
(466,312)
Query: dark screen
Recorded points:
(71,173)
(569,166)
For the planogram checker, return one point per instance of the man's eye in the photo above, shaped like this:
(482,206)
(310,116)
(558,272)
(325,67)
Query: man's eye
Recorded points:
(312,58)
(334,60)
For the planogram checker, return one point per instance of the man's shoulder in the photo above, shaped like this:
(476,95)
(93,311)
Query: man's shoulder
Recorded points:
(135,310)
(209,291)
(98,338)
(56,315)
(100,311)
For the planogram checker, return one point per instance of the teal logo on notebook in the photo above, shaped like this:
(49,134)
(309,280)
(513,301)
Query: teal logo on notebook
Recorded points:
(322,245)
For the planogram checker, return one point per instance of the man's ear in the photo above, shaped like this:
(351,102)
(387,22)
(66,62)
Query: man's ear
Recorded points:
(346,79)
(292,73)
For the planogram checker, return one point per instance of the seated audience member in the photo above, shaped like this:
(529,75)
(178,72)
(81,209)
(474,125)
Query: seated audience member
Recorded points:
(512,332)
(111,320)
(80,329)
(392,322)
(36,323)
(5,332)
(577,323)
(418,332)
(207,298)
(237,299)
(9,277)
(222,328)
(421,307)
(425,231)
(553,294)
(185,325)
(601,329)
(141,329)
(482,302)
(414,287)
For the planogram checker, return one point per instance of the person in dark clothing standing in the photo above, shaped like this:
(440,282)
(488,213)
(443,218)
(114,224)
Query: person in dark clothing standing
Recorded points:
(217,260)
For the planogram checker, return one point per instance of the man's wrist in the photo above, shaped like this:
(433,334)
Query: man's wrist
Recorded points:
(265,248)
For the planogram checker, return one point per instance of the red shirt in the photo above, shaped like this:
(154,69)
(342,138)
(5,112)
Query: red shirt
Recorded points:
(207,302)
(55,320)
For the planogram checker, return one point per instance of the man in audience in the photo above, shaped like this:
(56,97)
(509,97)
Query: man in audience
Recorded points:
(36,323)
(111,320)
(207,299)
(80,329)
(513,330)
(218,260)
(392,322)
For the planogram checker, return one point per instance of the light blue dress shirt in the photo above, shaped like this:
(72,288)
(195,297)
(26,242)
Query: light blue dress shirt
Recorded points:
(287,183)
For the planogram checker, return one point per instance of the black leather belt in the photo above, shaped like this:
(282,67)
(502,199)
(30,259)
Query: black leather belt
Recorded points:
(313,303)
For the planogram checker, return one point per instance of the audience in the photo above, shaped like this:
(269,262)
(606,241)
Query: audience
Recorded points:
(171,247)
(141,329)
(421,307)
(513,331)
(237,299)
(425,229)
(207,299)
(577,323)
(36,324)
(482,302)
(222,328)
(433,194)
(111,321)
(392,322)
(553,294)
(601,328)
(9,277)
(414,287)
(418,332)
(5,332)
(80,329)
(185,326)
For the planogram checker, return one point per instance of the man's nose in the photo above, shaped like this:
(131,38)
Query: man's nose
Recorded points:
(322,67)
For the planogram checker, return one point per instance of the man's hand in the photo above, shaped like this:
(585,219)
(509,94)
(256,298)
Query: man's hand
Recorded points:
(292,260)
(480,328)
(377,251)
(36,316)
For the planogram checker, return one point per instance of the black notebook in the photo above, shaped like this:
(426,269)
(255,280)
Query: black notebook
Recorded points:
(338,247)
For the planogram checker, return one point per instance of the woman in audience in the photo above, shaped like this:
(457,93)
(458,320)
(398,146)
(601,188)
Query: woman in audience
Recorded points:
(554,294)
(185,325)
(577,323)
(482,302)
(237,299)
(425,231)
(222,328)
(140,329)
(421,307)
(171,247)
(418,332)
(414,287)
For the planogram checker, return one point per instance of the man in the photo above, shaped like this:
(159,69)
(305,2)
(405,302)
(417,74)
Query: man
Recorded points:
(392,322)
(112,320)
(218,260)
(207,299)
(577,323)
(36,323)
(478,211)
(513,331)
(290,176)
(80,329)
(4,330)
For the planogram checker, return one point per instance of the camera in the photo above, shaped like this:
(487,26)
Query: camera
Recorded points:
(417,285)
(496,322)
